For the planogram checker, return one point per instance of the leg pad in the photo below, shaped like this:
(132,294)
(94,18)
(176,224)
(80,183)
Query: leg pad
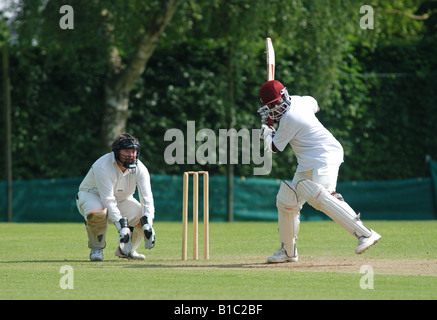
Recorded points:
(96,226)
(339,211)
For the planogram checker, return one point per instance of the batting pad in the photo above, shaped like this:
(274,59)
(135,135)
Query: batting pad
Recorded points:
(286,198)
(96,226)
(339,211)
(288,217)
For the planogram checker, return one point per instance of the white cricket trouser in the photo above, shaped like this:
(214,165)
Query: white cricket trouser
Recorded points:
(130,208)
(289,204)
(90,202)
(326,176)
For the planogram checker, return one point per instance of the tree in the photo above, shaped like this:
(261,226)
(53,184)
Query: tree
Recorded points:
(75,88)
(123,75)
(125,33)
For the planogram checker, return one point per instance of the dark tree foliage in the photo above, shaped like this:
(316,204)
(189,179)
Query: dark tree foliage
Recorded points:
(375,88)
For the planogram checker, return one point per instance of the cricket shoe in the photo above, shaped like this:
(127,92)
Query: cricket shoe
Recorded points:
(133,256)
(365,243)
(96,254)
(281,256)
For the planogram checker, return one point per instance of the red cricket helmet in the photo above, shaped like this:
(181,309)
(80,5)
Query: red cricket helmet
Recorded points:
(271,91)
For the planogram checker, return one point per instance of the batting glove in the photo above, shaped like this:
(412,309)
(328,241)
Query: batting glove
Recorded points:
(266,130)
(263,112)
(267,133)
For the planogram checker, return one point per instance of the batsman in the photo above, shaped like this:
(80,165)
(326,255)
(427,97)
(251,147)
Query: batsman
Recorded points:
(319,156)
(106,194)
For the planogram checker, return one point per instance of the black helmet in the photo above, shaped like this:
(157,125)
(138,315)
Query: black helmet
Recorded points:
(126,141)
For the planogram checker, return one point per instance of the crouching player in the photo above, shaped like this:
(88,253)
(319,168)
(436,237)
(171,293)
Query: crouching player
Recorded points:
(106,194)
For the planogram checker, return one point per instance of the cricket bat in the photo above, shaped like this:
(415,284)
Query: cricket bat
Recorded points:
(270,60)
(270,53)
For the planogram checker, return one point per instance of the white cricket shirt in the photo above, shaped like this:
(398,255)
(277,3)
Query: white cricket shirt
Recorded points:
(313,145)
(106,179)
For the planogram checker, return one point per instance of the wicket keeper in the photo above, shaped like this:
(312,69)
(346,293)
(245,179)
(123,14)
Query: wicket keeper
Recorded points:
(106,194)
(319,156)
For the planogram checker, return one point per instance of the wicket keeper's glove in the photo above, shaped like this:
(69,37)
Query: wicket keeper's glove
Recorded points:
(149,233)
(124,236)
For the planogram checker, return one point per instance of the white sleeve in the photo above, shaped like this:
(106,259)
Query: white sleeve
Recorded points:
(311,102)
(145,192)
(286,131)
(105,186)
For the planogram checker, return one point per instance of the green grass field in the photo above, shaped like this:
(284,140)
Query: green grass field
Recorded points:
(404,264)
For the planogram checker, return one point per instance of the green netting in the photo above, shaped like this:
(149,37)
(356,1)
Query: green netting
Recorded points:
(42,200)
(254,199)
(397,200)
(433,168)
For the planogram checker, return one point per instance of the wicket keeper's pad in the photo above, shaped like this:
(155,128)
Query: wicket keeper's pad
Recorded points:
(288,217)
(96,225)
(339,211)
